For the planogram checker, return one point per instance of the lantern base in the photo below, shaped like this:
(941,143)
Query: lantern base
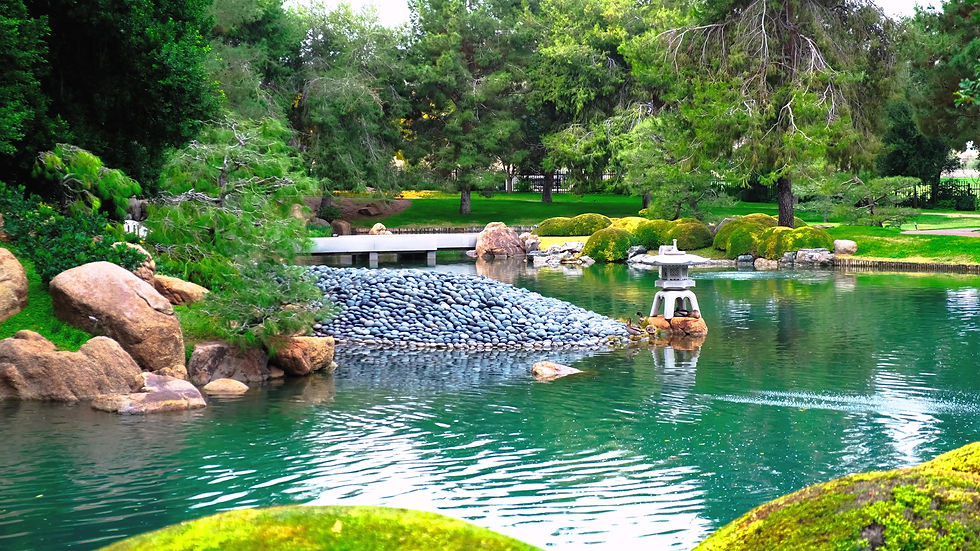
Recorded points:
(675,301)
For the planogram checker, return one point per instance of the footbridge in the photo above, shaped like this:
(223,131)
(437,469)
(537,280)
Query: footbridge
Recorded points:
(347,246)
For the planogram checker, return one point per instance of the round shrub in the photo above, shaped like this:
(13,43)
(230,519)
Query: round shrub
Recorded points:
(759,218)
(690,235)
(608,245)
(798,222)
(326,528)
(652,233)
(774,242)
(935,505)
(559,227)
(589,223)
(744,239)
(629,223)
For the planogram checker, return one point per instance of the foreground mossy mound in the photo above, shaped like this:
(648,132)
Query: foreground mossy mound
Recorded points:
(589,223)
(652,233)
(609,245)
(560,226)
(628,223)
(322,528)
(690,234)
(774,242)
(933,506)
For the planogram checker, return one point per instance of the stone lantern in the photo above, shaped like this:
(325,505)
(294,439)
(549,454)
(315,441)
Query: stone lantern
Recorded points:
(675,294)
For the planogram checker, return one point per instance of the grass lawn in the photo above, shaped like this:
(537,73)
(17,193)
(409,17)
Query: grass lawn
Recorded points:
(39,315)
(890,244)
(511,208)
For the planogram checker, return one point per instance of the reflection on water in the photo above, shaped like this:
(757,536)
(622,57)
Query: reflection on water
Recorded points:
(801,379)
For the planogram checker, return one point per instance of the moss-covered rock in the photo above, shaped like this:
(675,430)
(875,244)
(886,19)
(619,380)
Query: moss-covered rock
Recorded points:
(652,233)
(609,245)
(744,239)
(690,235)
(629,223)
(933,506)
(589,223)
(322,528)
(774,242)
(559,226)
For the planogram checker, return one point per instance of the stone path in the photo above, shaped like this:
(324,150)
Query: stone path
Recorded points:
(965,232)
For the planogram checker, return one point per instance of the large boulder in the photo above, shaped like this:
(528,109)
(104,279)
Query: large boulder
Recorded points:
(497,239)
(694,327)
(159,393)
(379,229)
(105,299)
(31,368)
(13,285)
(845,246)
(219,360)
(178,291)
(340,227)
(304,355)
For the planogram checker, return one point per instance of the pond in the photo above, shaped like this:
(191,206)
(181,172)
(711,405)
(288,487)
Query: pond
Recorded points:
(804,377)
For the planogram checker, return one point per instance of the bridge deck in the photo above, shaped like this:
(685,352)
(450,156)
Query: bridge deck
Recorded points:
(400,243)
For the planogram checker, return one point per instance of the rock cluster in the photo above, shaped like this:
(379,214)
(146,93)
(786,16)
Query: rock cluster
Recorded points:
(554,256)
(412,308)
(159,393)
(807,258)
(31,368)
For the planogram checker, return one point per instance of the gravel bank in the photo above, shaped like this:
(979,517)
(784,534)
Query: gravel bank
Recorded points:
(424,309)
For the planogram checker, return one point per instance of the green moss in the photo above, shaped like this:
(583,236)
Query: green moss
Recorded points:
(39,316)
(690,235)
(774,242)
(629,223)
(299,528)
(744,239)
(759,218)
(652,233)
(589,223)
(933,506)
(559,226)
(798,222)
(608,245)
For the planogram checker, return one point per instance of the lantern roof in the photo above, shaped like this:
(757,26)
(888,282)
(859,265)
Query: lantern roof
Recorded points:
(669,255)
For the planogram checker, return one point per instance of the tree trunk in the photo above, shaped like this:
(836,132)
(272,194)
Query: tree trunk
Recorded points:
(464,201)
(647,198)
(784,198)
(324,210)
(547,186)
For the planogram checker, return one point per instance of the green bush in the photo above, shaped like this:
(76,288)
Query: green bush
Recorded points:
(774,242)
(652,233)
(629,223)
(332,528)
(744,239)
(798,222)
(589,223)
(84,182)
(55,242)
(720,240)
(558,227)
(759,218)
(608,245)
(690,235)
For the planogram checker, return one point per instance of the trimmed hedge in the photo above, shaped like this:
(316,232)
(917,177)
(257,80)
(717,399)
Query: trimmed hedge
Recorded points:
(774,242)
(629,223)
(589,223)
(608,245)
(558,227)
(743,239)
(332,528)
(690,235)
(652,233)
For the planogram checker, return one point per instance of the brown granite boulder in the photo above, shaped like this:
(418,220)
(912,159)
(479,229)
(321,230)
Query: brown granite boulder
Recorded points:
(13,285)
(225,387)
(694,327)
(105,299)
(178,291)
(219,360)
(148,269)
(303,355)
(549,371)
(379,229)
(340,227)
(159,393)
(497,239)
(31,368)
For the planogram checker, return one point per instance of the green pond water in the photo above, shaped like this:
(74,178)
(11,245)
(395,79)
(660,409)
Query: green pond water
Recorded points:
(804,377)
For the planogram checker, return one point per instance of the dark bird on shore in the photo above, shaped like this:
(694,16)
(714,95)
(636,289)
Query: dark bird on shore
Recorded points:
(633,329)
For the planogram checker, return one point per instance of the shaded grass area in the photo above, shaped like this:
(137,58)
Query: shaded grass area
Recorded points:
(324,528)
(511,209)
(39,315)
(891,244)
